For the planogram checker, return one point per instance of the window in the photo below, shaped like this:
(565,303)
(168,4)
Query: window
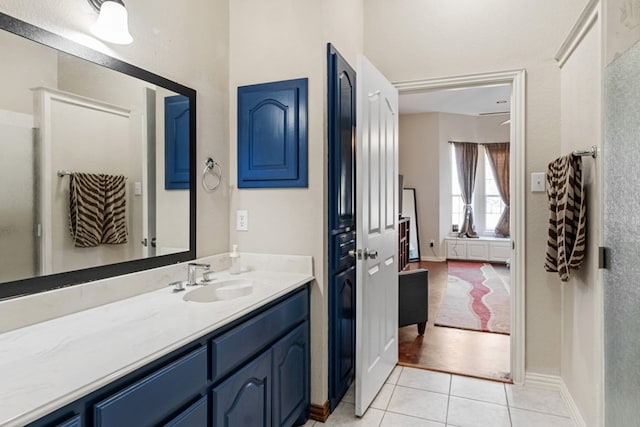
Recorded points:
(487,203)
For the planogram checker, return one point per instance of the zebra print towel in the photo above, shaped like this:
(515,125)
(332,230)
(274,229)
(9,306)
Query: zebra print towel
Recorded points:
(567,216)
(97,209)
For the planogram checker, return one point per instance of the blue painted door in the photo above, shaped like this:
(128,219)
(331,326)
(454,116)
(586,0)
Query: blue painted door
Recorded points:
(244,399)
(341,204)
(176,142)
(291,400)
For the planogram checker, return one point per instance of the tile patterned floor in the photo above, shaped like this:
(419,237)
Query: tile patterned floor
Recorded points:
(416,397)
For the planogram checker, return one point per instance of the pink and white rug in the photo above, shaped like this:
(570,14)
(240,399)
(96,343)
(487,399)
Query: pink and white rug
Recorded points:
(476,298)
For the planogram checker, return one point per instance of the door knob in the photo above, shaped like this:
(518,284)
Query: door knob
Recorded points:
(363,254)
(370,253)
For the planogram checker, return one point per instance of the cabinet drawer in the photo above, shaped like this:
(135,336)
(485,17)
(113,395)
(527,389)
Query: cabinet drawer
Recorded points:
(343,243)
(152,399)
(73,422)
(194,415)
(239,344)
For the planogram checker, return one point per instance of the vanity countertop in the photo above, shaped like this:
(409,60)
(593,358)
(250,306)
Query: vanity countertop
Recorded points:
(50,364)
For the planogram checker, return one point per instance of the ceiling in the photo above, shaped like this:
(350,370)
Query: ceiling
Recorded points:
(474,101)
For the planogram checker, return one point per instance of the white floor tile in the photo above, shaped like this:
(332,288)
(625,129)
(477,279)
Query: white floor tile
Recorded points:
(344,415)
(534,399)
(384,396)
(392,419)
(419,403)
(523,418)
(395,374)
(425,380)
(473,388)
(350,394)
(309,423)
(472,413)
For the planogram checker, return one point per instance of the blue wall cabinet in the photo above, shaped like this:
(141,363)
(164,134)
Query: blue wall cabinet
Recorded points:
(341,211)
(213,381)
(176,142)
(272,135)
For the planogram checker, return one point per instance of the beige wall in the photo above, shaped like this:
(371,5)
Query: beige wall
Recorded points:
(185,42)
(427,39)
(582,297)
(279,40)
(425,162)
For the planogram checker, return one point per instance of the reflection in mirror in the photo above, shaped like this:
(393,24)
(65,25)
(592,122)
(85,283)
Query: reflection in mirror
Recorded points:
(120,144)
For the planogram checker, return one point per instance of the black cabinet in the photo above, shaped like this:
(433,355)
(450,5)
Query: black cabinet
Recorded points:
(252,372)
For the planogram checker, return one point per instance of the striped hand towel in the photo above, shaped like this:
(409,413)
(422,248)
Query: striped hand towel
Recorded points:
(86,209)
(114,230)
(97,209)
(567,216)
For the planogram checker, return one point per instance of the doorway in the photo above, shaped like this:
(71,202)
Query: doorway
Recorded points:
(516,80)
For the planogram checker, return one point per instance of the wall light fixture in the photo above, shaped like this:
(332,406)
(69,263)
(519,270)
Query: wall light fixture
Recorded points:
(112,24)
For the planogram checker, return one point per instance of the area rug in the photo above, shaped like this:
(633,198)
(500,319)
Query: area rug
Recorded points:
(476,298)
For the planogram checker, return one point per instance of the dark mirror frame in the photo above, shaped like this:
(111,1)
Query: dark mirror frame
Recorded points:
(58,280)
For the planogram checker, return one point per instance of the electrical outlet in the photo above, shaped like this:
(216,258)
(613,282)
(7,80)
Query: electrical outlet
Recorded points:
(242,220)
(432,243)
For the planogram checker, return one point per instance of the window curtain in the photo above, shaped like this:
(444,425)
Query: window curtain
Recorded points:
(499,159)
(467,164)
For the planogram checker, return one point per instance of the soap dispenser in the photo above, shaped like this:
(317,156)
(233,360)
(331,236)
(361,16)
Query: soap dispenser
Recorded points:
(235,261)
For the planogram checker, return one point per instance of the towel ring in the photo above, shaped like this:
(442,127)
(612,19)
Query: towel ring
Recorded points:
(209,169)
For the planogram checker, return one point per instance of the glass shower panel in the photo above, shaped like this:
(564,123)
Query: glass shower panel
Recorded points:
(17,254)
(622,236)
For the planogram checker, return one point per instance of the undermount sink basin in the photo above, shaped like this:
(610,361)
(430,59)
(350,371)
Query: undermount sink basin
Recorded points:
(223,290)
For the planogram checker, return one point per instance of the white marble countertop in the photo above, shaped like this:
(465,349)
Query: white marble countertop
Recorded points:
(50,364)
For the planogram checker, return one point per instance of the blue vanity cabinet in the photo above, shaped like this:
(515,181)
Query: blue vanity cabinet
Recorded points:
(252,372)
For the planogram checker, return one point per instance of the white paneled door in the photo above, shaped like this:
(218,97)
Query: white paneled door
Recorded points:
(377,238)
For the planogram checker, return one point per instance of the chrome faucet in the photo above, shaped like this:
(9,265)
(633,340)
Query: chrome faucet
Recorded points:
(191,273)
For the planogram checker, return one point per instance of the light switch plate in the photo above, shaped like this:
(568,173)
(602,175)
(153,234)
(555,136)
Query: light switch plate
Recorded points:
(538,182)
(242,220)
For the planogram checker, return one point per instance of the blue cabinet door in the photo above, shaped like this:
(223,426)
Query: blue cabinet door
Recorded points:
(176,142)
(291,401)
(272,134)
(342,333)
(244,399)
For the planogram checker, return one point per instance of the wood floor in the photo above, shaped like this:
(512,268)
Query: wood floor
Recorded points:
(471,353)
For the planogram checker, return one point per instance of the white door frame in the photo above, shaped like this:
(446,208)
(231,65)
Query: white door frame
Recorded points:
(517,79)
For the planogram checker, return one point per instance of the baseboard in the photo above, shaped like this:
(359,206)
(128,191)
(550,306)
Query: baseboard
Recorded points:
(554,382)
(320,412)
(573,409)
(433,258)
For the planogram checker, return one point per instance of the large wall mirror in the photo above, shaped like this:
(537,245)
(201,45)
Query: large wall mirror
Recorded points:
(125,136)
